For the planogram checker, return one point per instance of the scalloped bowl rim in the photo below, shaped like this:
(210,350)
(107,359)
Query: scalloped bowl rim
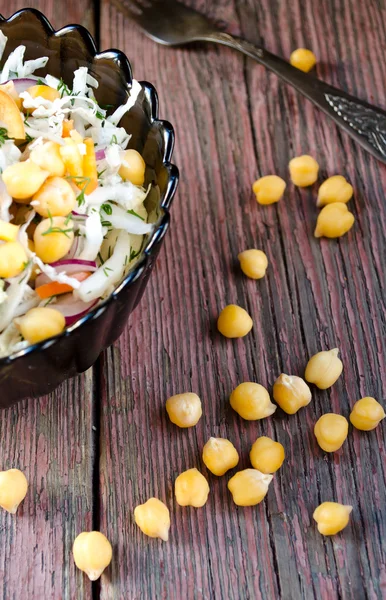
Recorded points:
(163,223)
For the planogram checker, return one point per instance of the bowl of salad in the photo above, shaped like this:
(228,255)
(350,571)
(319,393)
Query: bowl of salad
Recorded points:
(85,189)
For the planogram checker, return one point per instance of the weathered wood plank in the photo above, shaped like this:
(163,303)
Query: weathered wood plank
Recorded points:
(51,440)
(234,122)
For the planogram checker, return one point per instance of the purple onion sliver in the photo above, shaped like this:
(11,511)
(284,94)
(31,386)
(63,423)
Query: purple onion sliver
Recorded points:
(100,154)
(22,84)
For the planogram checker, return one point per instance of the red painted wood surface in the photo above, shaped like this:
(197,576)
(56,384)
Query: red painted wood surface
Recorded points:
(234,122)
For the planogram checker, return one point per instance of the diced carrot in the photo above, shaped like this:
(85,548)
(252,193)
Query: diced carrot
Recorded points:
(72,159)
(68,125)
(55,288)
(90,166)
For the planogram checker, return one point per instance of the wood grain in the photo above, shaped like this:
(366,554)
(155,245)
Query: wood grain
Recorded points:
(235,122)
(52,441)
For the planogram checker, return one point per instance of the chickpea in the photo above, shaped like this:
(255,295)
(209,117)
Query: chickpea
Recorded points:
(133,167)
(253,263)
(184,410)
(92,553)
(331,431)
(303,170)
(267,455)
(40,323)
(251,401)
(303,59)
(366,414)
(234,322)
(324,368)
(191,489)
(219,455)
(56,198)
(249,487)
(53,238)
(153,519)
(334,189)
(332,517)
(13,489)
(47,156)
(269,189)
(291,393)
(13,259)
(8,231)
(43,91)
(334,220)
(23,179)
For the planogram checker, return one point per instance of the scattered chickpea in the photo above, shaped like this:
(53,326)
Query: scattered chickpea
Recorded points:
(13,489)
(291,393)
(56,198)
(303,170)
(8,231)
(13,258)
(133,167)
(267,455)
(366,414)
(253,263)
(191,489)
(331,431)
(251,401)
(234,322)
(153,519)
(332,517)
(184,410)
(249,487)
(334,189)
(219,455)
(53,238)
(23,179)
(269,189)
(324,368)
(334,220)
(303,59)
(40,323)
(47,156)
(92,553)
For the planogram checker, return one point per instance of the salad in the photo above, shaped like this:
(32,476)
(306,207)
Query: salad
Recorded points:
(72,215)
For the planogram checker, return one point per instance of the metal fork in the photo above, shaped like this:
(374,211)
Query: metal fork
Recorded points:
(171,23)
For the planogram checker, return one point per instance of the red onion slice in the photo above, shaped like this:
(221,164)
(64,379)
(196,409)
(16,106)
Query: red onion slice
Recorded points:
(69,266)
(22,84)
(100,154)
(72,251)
(72,308)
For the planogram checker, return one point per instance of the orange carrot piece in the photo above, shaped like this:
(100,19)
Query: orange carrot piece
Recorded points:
(90,166)
(68,125)
(55,288)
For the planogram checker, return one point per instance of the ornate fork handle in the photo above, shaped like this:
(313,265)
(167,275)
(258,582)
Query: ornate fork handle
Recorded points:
(363,122)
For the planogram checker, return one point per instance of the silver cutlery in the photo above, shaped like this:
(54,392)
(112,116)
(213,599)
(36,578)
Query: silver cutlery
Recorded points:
(171,23)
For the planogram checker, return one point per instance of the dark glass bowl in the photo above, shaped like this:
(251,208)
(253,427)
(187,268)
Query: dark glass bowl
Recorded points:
(40,368)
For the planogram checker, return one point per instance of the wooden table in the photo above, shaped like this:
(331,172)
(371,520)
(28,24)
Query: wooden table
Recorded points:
(102,443)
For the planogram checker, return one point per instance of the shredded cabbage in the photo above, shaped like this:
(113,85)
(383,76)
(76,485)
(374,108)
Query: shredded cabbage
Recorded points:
(93,232)
(5,202)
(125,193)
(15,296)
(109,273)
(16,68)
